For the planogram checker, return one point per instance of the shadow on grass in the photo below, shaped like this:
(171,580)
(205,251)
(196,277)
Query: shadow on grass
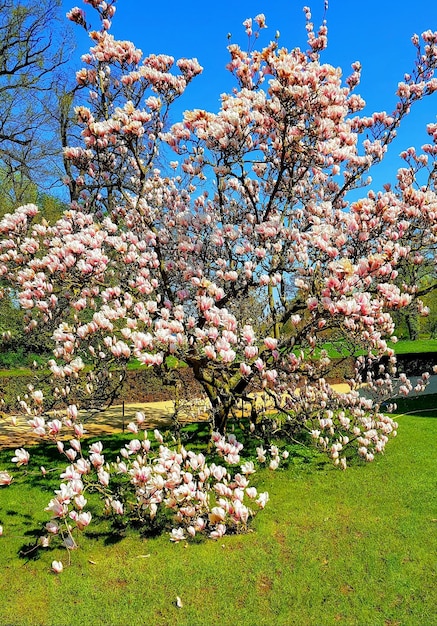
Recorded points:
(108,537)
(120,529)
(422,405)
(32,551)
(13,513)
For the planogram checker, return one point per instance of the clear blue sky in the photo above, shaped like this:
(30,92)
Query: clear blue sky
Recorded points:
(375,32)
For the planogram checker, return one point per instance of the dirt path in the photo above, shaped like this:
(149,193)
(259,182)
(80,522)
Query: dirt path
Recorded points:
(112,420)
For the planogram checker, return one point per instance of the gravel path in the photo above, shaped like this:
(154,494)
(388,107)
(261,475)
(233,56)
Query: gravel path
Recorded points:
(116,418)
(112,420)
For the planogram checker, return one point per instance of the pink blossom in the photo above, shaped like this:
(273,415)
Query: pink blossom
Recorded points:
(57,508)
(38,425)
(245,369)
(117,507)
(248,468)
(5,478)
(259,364)
(261,20)
(104,477)
(55,427)
(83,520)
(271,376)
(248,334)
(177,534)
(80,501)
(250,352)
(274,464)
(218,532)
(262,499)
(21,457)
(37,396)
(72,412)
(71,454)
(52,527)
(270,343)
(158,437)
(210,353)
(133,446)
(261,454)
(251,492)
(57,567)
(218,514)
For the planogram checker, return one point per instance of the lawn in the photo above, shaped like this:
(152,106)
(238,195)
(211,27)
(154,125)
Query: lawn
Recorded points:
(404,346)
(332,547)
(418,346)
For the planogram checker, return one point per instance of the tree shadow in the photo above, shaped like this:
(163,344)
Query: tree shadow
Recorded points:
(31,551)
(423,406)
(109,537)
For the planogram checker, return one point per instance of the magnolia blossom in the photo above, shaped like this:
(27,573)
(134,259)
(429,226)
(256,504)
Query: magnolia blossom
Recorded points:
(159,438)
(117,507)
(217,514)
(21,457)
(262,499)
(274,463)
(261,454)
(248,468)
(5,478)
(218,532)
(177,534)
(52,527)
(83,520)
(57,567)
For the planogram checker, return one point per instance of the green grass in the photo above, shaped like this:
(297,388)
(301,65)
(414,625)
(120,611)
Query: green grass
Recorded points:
(10,367)
(16,371)
(418,346)
(339,349)
(422,404)
(355,547)
(404,346)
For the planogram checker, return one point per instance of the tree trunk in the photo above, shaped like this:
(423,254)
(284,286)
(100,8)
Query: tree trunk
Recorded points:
(224,393)
(412,326)
(221,409)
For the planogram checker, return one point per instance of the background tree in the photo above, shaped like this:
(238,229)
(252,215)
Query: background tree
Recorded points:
(32,51)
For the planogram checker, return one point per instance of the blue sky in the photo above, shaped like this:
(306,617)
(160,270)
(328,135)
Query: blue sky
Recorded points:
(375,32)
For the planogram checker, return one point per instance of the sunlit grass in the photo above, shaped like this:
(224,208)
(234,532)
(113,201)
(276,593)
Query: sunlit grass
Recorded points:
(417,346)
(8,370)
(355,547)
(337,350)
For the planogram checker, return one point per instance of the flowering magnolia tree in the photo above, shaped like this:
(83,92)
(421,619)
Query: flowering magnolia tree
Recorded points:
(172,229)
